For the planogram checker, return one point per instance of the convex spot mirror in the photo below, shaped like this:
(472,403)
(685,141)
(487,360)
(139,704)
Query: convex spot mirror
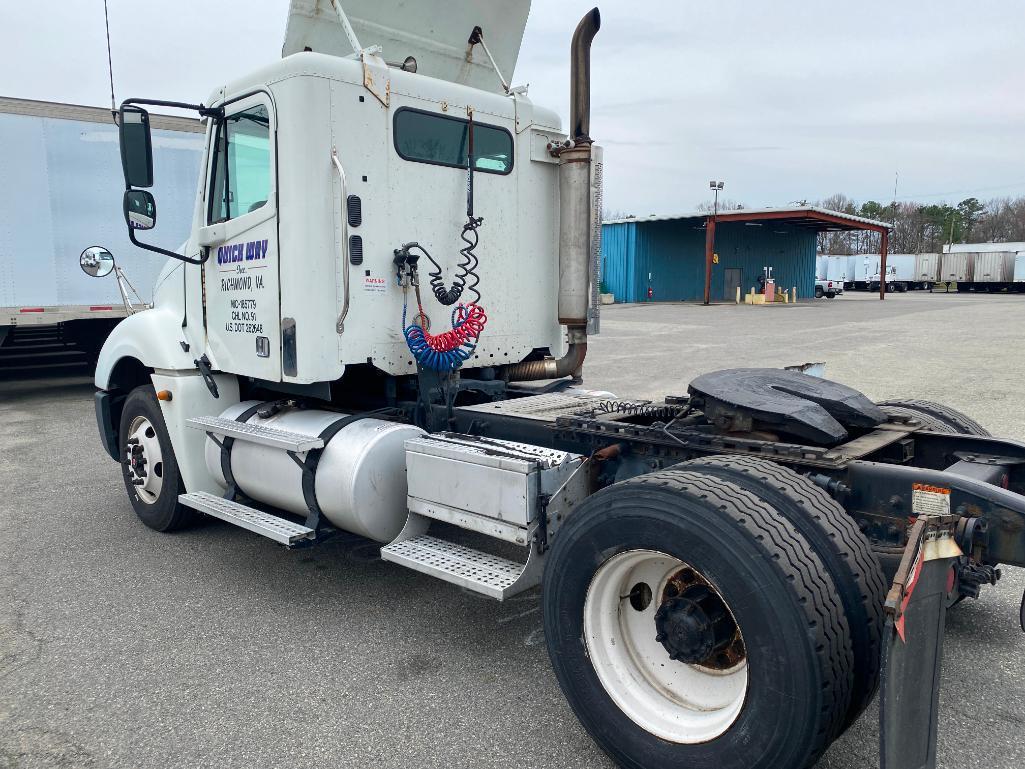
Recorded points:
(96,261)
(140,210)
(136,147)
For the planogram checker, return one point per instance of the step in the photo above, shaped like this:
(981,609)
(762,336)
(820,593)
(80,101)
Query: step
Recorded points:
(480,572)
(492,527)
(257,433)
(271,526)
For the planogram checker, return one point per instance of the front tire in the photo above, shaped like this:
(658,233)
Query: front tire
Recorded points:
(704,554)
(148,466)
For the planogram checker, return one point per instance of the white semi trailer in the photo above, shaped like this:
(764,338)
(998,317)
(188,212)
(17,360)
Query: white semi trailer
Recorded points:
(385,261)
(65,160)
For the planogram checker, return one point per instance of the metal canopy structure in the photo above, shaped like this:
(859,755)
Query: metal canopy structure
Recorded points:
(807,217)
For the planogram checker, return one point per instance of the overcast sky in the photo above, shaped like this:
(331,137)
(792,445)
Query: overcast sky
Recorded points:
(784,100)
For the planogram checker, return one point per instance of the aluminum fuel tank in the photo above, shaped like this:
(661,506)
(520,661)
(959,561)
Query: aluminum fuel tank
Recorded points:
(360,480)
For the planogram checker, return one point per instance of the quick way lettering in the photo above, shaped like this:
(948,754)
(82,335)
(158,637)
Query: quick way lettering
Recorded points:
(242,252)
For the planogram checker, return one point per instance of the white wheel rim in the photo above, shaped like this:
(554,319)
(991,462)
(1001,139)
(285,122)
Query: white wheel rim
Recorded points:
(678,702)
(145,463)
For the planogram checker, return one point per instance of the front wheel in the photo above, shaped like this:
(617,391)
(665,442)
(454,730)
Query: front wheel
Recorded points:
(148,464)
(691,625)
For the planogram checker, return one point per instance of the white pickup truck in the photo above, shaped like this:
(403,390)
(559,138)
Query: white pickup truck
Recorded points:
(828,288)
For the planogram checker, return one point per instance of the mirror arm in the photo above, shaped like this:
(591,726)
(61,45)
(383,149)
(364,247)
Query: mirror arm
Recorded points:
(216,112)
(165,252)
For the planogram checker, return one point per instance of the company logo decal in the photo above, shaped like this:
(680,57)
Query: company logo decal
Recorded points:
(242,252)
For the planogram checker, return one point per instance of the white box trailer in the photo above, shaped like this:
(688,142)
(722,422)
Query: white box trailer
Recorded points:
(992,270)
(927,270)
(1019,271)
(66,161)
(866,268)
(955,268)
(836,268)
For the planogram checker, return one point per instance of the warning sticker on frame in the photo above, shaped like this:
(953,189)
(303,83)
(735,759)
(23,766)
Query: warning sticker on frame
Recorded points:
(929,500)
(374,285)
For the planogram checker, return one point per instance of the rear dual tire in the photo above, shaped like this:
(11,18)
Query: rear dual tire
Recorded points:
(846,555)
(798,658)
(934,416)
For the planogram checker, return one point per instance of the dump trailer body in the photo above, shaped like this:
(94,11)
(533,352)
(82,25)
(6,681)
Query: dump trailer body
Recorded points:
(66,160)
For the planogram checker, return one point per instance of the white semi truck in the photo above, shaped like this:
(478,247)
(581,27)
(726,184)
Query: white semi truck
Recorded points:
(392,248)
(64,158)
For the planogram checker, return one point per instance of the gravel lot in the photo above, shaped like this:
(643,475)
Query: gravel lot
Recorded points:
(213,647)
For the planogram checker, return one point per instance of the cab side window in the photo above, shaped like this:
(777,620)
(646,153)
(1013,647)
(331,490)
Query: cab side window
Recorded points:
(242,164)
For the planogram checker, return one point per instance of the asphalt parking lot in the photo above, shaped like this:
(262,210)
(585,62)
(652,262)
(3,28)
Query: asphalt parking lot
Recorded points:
(213,647)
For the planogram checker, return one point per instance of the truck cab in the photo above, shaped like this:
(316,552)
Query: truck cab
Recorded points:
(378,326)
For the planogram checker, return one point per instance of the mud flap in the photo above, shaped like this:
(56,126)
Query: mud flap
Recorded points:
(913,646)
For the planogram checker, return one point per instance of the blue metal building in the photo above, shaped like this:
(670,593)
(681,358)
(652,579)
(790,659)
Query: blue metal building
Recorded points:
(681,257)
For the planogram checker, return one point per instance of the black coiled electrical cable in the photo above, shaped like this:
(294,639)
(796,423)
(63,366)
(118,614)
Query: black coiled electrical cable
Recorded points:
(467,267)
(466,278)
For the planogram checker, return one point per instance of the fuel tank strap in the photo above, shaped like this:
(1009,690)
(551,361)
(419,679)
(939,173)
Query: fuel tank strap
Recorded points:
(309,465)
(226,443)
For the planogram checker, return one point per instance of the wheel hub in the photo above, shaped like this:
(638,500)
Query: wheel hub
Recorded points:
(144,459)
(693,626)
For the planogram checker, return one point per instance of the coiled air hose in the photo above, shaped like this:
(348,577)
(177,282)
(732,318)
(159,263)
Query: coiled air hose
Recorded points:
(446,351)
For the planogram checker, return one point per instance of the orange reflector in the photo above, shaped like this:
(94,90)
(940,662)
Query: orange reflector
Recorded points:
(164,395)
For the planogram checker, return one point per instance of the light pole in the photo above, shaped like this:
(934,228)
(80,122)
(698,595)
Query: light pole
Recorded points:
(715,186)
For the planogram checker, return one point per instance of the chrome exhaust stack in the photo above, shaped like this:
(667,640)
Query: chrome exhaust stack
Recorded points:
(579,230)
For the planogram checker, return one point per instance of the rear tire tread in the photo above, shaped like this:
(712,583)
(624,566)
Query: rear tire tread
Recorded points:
(827,623)
(936,415)
(849,556)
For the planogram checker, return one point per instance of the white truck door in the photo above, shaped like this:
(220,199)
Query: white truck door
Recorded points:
(241,274)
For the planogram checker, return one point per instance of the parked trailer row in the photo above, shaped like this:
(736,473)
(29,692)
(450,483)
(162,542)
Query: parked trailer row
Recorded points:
(65,158)
(969,270)
(904,272)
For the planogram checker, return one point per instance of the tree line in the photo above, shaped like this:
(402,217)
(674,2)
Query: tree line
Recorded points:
(917,227)
(924,228)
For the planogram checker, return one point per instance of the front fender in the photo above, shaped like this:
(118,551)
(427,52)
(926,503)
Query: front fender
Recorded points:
(153,337)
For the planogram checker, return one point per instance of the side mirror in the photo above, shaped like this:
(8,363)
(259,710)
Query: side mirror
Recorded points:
(96,261)
(136,147)
(140,210)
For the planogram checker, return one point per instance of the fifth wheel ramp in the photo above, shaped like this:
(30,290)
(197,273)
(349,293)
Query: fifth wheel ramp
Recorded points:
(744,399)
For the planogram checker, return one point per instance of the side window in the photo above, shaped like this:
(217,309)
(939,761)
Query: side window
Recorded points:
(242,164)
(425,137)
